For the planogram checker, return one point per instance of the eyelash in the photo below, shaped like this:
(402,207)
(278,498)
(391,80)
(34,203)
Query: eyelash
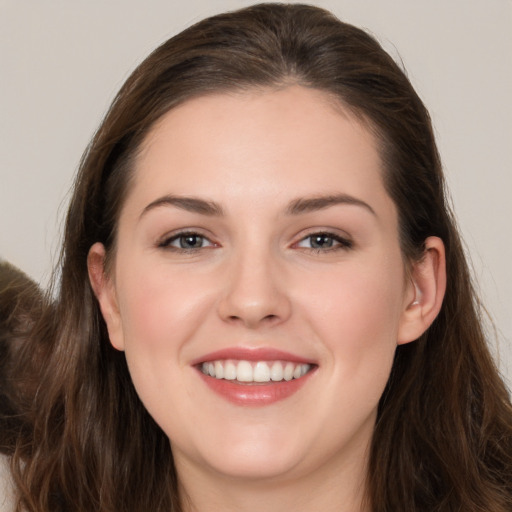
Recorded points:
(166,243)
(338,242)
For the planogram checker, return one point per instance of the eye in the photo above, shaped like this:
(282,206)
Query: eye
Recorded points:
(188,241)
(324,242)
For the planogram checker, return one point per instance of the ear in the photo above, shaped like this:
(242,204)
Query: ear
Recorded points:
(104,289)
(425,292)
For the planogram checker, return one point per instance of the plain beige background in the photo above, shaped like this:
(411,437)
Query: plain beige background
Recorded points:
(63,60)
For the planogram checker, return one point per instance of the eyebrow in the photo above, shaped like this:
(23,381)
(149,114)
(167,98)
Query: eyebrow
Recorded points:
(295,207)
(311,204)
(190,204)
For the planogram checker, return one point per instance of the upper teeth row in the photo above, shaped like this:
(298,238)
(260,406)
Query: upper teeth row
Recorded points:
(260,371)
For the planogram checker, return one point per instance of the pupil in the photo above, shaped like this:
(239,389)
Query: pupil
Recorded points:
(190,241)
(319,241)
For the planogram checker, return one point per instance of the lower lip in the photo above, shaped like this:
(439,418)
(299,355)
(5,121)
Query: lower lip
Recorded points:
(258,394)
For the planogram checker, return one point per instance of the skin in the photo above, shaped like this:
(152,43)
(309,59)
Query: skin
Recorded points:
(257,282)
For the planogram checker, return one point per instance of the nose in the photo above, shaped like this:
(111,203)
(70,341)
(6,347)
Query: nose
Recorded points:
(255,292)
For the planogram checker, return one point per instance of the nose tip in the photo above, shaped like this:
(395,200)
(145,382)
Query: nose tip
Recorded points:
(253,317)
(254,297)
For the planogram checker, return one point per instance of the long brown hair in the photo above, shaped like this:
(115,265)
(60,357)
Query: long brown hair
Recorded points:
(21,303)
(443,438)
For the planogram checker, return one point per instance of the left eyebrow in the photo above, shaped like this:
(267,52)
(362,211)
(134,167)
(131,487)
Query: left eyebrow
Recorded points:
(191,204)
(311,204)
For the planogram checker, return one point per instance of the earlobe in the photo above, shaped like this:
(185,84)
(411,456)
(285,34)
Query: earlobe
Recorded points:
(426,292)
(104,291)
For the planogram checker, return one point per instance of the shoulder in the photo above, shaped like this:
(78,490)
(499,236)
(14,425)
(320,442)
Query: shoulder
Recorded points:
(6,486)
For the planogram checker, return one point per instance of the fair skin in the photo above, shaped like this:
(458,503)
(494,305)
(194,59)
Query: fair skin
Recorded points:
(291,245)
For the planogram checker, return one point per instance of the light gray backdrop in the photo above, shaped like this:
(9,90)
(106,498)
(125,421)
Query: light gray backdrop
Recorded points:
(62,62)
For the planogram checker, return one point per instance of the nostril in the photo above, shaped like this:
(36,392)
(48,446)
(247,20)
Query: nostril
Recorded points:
(254,321)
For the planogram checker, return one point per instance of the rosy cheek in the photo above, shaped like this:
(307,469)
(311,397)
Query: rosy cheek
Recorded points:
(161,308)
(356,309)
(143,306)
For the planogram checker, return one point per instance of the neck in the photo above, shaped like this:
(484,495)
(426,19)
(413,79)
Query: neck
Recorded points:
(338,486)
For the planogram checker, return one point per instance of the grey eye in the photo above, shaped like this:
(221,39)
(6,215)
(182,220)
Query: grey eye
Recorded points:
(326,241)
(190,241)
(321,241)
(186,241)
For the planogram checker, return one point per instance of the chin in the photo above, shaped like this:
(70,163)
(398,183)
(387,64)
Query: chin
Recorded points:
(251,466)
(250,455)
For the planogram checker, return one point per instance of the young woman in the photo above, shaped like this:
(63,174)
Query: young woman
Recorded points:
(264,302)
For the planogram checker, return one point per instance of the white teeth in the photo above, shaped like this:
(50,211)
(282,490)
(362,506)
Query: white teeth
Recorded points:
(288,371)
(260,371)
(244,372)
(230,371)
(219,370)
(276,372)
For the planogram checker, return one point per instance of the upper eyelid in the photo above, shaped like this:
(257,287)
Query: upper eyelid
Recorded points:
(185,231)
(334,233)
(166,239)
(343,241)
(337,238)
(173,235)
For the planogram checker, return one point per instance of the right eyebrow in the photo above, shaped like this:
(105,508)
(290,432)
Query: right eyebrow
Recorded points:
(188,203)
(311,204)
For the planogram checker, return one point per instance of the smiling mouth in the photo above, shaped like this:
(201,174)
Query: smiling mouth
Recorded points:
(250,372)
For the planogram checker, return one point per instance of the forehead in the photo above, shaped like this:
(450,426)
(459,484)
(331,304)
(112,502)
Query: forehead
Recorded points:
(257,145)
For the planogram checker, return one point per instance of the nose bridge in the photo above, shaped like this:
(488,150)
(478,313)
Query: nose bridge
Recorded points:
(254,292)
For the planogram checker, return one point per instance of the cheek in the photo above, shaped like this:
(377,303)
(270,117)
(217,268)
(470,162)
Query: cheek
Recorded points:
(160,310)
(355,312)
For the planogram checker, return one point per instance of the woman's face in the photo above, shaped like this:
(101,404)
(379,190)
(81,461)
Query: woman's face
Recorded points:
(258,288)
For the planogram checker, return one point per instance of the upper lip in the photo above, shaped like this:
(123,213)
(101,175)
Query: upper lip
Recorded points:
(251,354)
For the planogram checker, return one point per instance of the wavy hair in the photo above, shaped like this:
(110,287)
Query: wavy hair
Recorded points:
(443,436)
(21,303)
